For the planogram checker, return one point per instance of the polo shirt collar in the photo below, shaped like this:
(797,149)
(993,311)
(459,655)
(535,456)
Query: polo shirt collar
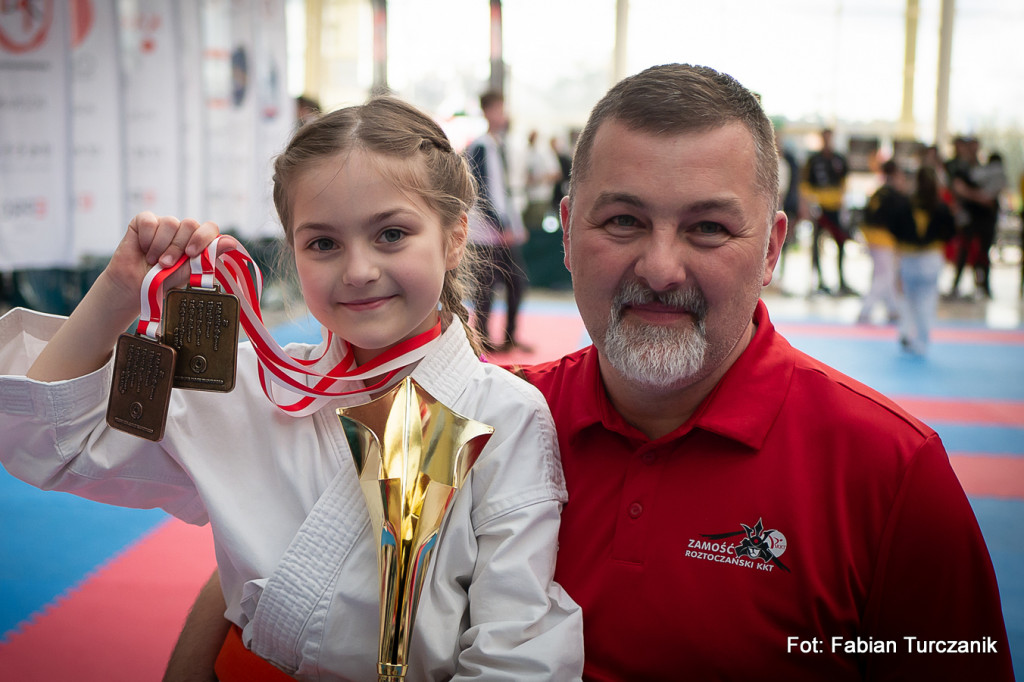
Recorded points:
(590,404)
(748,398)
(741,407)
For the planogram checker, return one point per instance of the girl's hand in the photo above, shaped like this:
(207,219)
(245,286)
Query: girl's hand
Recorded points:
(151,240)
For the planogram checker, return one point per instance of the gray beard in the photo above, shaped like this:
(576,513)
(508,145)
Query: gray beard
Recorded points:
(658,357)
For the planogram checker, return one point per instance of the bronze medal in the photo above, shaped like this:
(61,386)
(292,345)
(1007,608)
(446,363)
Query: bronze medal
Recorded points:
(201,325)
(141,388)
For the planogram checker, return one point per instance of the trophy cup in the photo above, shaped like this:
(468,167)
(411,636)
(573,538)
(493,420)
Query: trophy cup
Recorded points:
(412,454)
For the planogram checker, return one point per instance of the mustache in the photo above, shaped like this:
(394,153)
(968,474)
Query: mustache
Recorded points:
(690,300)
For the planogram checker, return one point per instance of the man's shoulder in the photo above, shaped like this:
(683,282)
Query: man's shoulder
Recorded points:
(549,376)
(851,405)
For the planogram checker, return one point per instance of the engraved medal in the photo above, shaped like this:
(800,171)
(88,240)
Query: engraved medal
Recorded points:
(201,325)
(141,389)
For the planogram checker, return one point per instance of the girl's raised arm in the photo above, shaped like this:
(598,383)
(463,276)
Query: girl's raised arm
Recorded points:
(84,343)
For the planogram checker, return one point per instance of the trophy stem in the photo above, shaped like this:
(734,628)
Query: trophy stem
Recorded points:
(391,673)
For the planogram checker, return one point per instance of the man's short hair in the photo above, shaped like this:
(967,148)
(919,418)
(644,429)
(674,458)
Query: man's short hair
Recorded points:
(673,99)
(490,98)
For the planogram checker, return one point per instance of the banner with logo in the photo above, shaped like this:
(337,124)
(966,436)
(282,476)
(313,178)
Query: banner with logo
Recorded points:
(152,105)
(96,130)
(35,121)
(229,112)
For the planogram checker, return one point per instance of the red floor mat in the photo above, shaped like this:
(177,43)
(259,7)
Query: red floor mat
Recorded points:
(122,621)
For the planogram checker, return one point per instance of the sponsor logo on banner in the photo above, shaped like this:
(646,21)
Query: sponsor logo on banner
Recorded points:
(24,25)
(24,207)
(83,16)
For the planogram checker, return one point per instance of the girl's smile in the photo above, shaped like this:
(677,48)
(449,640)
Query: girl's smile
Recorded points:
(367,303)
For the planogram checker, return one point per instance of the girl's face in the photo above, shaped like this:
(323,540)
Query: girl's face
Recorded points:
(371,258)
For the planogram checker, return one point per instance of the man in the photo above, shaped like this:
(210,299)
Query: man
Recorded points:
(737,510)
(496,231)
(978,199)
(824,183)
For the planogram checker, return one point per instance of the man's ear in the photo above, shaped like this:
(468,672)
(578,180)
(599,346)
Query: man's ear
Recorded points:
(776,238)
(563,212)
(456,243)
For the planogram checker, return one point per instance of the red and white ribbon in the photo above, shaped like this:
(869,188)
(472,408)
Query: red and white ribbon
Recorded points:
(203,274)
(153,298)
(310,390)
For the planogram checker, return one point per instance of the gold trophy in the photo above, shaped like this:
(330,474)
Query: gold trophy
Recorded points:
(412,454)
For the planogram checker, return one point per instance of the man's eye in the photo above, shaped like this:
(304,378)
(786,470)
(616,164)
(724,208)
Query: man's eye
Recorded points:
(623,221)
(710,228)
(391,235)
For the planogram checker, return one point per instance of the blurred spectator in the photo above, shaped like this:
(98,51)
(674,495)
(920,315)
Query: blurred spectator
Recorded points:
(931,158)
(824,183)
(976,190)
(920,245)
(888,213)
(789,197)
(565,166)
(542,172)
(306,109)
(496,231)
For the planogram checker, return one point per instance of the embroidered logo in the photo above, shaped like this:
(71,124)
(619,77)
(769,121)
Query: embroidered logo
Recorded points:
(758,548)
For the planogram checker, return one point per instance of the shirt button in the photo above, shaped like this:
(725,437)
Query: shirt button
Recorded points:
(635,510)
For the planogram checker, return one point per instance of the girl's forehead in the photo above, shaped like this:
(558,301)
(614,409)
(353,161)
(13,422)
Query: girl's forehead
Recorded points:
(357,181)
(402,173)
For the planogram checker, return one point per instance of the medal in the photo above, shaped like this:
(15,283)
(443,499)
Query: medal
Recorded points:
(140,391)
(141,388)
(201,325)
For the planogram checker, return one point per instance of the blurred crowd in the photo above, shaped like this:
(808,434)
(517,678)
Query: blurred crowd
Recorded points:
(928,215)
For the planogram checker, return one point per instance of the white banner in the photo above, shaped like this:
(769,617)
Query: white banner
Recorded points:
(193,170)
(97,138)
(275,112)
(150,56)
(35,121)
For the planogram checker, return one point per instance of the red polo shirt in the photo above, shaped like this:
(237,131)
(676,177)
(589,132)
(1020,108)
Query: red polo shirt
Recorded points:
(798,526)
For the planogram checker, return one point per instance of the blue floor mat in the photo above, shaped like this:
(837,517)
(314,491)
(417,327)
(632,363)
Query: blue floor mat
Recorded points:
(50,541)
(1002,524)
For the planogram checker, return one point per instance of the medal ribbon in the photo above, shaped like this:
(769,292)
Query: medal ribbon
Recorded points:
(239,275)
(153,298)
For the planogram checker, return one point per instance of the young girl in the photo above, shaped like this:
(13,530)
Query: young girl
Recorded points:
(921,243)
(374,203)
